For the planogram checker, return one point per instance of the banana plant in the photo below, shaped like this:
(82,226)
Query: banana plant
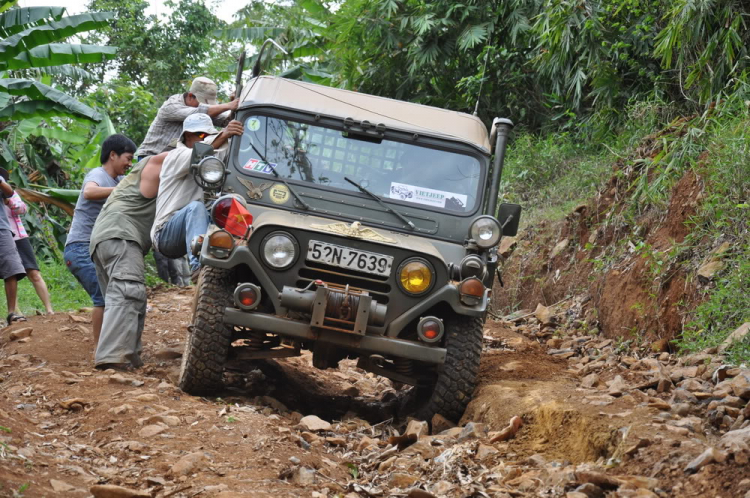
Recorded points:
(34,37)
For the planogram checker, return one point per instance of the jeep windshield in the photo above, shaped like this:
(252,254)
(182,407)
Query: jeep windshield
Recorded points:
(395,171)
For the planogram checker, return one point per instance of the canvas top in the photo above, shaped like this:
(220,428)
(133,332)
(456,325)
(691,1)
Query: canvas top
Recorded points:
(394,114)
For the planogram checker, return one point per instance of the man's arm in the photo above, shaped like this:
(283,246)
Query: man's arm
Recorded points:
(93,192)
(5,187)
(178,111)
(215,110)
(234,128)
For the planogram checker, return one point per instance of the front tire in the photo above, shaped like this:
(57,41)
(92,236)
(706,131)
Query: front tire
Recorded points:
(208,339)
(457,377)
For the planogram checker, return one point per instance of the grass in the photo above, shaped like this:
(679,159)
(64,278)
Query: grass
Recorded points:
(723,216)
(550,175)
(65,291)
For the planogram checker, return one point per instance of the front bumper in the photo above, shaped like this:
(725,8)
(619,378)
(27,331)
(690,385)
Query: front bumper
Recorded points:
(363,343)
(446,294)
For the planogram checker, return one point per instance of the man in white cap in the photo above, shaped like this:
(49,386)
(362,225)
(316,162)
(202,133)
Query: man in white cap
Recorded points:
(180,213)
(166,127)
(122,237)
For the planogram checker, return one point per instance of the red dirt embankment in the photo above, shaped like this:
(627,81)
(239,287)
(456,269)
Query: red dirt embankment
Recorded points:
(618,259)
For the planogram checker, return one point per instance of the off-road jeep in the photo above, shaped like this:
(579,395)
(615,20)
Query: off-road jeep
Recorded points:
(373,237)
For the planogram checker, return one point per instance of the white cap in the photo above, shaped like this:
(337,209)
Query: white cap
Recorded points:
(198,123)
(204,90)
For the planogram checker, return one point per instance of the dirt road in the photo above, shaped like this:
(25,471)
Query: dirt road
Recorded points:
(595,420)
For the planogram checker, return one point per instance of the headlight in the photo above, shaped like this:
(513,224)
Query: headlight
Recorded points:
(485,231)
(211,171)
(415,276)
(279,250)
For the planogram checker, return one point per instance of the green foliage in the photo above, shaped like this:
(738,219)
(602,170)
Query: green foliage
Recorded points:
(723,217)
(551,64)
(302,28)
(31,39)
(130,106)
(724,310)
(163,56)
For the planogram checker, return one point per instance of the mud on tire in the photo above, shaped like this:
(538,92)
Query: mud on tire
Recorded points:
(457,377)
(209,339)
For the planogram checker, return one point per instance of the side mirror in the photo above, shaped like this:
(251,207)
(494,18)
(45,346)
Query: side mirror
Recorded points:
(201,151)
(509,215)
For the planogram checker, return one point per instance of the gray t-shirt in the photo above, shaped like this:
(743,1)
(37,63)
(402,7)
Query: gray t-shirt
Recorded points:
(4,222)
(87,210)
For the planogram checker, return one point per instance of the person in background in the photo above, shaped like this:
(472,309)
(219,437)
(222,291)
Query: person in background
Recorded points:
(14,208)
(116,157)
(11,267)
(173,271)
(167,126)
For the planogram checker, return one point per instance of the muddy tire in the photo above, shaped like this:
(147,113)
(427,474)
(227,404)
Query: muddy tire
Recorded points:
(457,377)
(209,339)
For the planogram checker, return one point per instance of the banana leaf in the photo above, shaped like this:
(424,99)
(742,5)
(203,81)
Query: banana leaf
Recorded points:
(53,32)
(258,33)
(37,92)
(54,54)
(46,108)
(64,194)
(72,72)
(6,4)
(42,198)
(16,20)
(61,135)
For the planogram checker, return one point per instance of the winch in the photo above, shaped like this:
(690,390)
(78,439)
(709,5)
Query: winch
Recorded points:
(335,307)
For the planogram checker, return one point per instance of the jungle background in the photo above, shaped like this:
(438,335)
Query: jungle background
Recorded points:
(636,92)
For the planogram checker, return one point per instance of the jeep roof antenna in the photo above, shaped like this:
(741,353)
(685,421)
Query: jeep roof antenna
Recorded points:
(256,67)
(481,82)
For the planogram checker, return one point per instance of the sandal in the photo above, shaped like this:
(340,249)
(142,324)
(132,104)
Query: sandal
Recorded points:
(13,317)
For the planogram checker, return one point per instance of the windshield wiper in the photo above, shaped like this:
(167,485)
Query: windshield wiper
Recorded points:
(276,174)
(382,204)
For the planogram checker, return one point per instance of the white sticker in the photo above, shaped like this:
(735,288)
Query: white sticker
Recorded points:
(253,124)
(427,196)
(259,166)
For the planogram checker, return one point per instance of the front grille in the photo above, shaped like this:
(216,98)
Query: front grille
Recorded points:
(377,286)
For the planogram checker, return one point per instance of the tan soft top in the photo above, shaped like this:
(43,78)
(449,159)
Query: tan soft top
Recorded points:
(395,114)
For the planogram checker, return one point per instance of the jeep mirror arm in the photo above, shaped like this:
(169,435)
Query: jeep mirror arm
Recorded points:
(256,67)
(500,129)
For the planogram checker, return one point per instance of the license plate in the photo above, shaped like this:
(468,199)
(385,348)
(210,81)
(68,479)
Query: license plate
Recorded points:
(352,259)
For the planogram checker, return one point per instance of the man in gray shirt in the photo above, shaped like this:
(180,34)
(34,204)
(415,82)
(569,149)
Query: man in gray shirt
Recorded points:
(11,268)
(116,157)
(167,125)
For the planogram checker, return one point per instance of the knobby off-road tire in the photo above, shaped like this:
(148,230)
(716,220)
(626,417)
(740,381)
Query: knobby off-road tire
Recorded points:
(457,377)
(209,339)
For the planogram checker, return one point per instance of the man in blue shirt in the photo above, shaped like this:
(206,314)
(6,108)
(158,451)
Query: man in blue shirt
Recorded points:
(116,157)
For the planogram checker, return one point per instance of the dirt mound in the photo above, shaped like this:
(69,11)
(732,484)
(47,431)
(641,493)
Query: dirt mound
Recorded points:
(566,435)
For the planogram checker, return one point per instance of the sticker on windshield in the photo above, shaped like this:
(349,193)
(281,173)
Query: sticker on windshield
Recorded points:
(279,193)
(253,124)
(427,196)
(259,166)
